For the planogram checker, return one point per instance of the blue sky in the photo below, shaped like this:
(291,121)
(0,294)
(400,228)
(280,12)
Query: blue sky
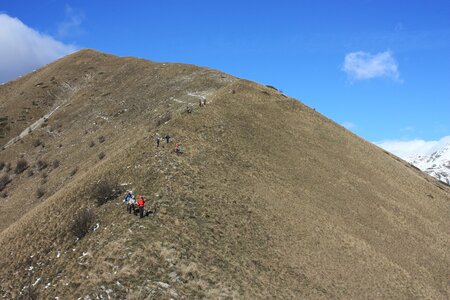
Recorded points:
(381,68)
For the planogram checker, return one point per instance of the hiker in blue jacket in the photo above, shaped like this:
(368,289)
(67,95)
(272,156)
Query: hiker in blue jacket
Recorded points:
(127,198)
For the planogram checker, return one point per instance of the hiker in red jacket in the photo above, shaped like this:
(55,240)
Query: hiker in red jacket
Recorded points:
(141,203)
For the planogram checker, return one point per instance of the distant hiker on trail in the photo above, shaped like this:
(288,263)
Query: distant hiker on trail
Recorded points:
(188,109)
(132,204)
(178,149)
(204,101)
(200,103)
(167,138)
(158,140)
(141,205)
(127,198)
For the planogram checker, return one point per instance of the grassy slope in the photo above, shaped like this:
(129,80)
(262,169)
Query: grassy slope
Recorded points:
(270,200)
(99,95)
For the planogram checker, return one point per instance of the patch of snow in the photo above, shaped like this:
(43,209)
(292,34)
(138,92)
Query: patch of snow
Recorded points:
(96,226)
(163,284)
(58,255)
(37,281)
(176,100)
(436,162)
(47,285)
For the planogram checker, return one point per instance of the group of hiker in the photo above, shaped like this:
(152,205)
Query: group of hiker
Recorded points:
(158,139)
(133,205)
(178,147)
(136,206)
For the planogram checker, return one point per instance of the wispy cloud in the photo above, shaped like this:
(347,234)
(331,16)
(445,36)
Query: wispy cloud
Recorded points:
(72,24)
(23,49)
(407,149)
(363,65)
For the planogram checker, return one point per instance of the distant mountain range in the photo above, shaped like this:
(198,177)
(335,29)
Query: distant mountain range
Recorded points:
(436,162)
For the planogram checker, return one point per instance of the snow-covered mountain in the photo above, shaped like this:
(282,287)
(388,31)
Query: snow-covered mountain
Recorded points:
(436,162)
(432,157)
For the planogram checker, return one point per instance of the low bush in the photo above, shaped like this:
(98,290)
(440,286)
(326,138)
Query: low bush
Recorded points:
(101,155)
(91,144)
(164,118)
(4,180)
(2,165)
(40,192)
(21,166)
(101,139)
(37,142)
(105,191)
(272,87)
(41,165)
(74,171)
(55,164)
(82,223)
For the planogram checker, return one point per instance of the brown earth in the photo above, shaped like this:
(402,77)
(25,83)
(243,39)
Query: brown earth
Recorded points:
(269,199)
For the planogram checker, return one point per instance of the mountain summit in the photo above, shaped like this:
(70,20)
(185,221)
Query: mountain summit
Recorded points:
(269,199)
(436,162)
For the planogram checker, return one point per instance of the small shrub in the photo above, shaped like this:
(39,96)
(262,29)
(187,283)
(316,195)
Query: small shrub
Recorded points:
(30,173)
(74,171)
(8,167)
(105,191)
(41,165)
(164,118)
(37,142)
(29,292)
(82,223)
(91,144)
(55,164)
(40,192)
(272,87)
(21,166)
(3,194)
(4,180)
(101,155)
(101,139)
(44,175)
(2,165)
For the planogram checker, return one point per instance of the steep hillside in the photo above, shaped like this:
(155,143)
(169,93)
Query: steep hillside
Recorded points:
(269,199)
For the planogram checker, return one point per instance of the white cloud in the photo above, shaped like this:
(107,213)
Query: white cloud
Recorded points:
(362,65)
(407,149)
(72,24)
(23,49)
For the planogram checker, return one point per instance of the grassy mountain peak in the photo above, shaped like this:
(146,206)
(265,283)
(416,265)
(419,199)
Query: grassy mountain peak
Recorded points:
(269,199)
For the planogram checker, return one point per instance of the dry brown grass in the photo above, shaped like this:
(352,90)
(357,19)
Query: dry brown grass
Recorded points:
(269,200)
